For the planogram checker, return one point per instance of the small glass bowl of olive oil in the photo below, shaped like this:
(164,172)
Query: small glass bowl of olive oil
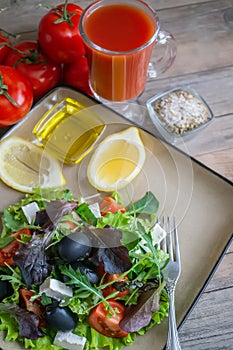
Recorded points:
(69,130)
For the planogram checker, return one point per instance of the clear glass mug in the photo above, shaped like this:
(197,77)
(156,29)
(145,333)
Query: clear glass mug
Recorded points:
(119,36)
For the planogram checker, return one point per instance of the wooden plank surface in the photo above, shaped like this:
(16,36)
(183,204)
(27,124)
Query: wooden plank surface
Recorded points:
(204,35)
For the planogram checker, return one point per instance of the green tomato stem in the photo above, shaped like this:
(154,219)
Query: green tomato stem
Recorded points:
(3,91)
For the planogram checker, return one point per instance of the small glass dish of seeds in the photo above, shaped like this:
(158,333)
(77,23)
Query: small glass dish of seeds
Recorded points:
(178,113)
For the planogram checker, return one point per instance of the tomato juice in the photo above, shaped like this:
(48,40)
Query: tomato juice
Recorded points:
(119,39)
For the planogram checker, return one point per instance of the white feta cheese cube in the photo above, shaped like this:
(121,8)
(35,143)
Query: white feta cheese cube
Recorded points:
(30,211)
(56,289)
(158,234)
(95,209)
(69,340)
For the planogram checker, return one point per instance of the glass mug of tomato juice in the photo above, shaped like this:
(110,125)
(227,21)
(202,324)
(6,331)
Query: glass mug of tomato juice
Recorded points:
(119,36)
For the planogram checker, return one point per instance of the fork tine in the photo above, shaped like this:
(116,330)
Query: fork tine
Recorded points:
(177,250)
(163,243)
(169,239)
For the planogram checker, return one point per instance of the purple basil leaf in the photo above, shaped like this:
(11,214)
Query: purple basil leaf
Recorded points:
(29,325)
(115,260)
(55,210)
(138,316)
(109,250)
(31,260)
(28,322)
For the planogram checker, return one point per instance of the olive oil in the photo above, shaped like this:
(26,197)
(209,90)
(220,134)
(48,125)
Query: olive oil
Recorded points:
(69,131)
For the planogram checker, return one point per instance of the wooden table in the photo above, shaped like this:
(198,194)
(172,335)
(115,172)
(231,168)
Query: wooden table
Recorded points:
(204,35)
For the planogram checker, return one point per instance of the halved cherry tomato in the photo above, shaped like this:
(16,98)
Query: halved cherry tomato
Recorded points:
(7,253)
(110,289)
(107,323)
(109,205)
(33,306)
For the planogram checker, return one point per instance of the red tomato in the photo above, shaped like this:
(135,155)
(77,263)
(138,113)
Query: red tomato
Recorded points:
(110,289)
(7,253)
(3,48)
(100,270)
(32,306)
(109,204)
(59,35)
(106,323)
(43,73)
(16,96)
(76,75)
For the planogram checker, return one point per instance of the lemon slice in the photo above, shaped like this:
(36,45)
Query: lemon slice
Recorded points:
(23,166)
(117,160)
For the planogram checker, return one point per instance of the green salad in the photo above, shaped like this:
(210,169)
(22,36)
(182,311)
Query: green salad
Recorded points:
(79,274)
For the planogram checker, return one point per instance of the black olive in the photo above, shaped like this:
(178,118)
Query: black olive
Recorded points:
(5,289)
(76,245)
(60,318)
(85,267)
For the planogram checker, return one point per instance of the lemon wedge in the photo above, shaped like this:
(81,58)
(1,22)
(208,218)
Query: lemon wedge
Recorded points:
(24,165)
(117,160)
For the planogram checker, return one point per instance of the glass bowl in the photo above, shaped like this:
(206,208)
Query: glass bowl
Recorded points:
(179,113)
(69,130)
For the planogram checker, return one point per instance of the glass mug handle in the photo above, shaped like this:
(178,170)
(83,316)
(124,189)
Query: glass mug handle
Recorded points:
(163,54)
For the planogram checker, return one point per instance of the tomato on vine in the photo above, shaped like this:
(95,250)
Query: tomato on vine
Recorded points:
(76,75)
(59,35)
(43,73)
(16,96)
(4,43)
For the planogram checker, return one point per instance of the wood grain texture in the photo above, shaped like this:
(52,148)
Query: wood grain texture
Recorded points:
(221,162)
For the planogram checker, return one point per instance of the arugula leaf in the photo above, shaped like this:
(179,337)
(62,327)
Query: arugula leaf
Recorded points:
(84,285)
(13,222)
(149,205)
(86,214)
(5,241)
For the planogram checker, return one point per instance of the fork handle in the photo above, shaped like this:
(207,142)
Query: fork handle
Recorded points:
(173,342)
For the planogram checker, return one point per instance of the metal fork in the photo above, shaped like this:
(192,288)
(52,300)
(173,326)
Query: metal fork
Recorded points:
(171,273)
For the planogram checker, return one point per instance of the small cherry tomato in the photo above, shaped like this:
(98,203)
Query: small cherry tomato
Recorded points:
(16,96)
(7,253)
(59,35)
(111,289)
(41,71)
(106,322)
(76,75)
(4,49)
(109,204)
